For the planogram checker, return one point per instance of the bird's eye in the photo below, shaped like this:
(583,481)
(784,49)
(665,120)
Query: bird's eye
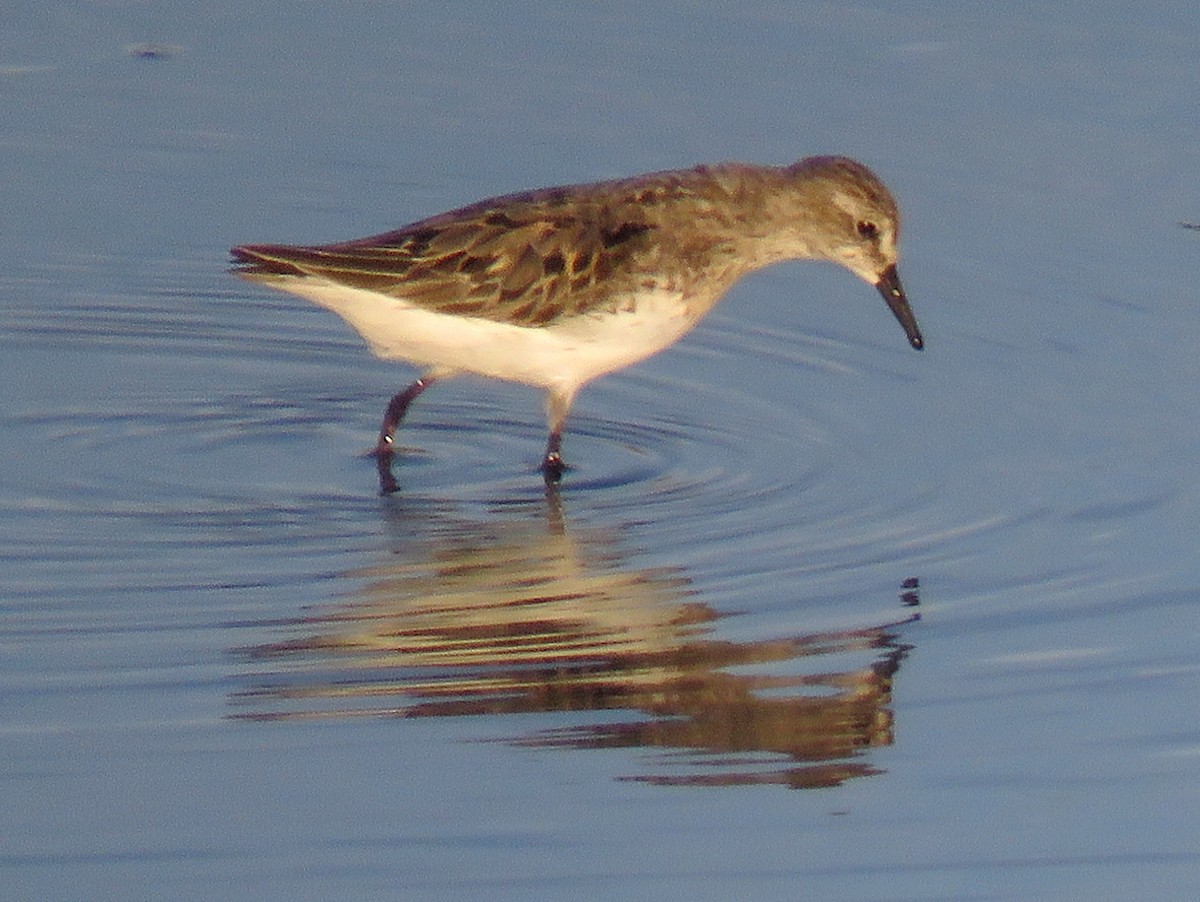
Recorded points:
(868,230)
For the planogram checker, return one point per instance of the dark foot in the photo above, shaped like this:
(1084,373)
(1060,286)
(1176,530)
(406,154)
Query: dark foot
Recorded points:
(552,464)
(383,466)
(552,467)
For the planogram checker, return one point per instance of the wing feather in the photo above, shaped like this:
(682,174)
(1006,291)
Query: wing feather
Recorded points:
(526,259)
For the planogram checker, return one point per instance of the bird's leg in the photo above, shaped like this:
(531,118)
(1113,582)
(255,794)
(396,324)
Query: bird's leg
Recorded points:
(396,409)
(552,463)
(558,403)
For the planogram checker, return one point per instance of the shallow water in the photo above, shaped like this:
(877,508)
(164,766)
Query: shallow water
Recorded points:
(233,669)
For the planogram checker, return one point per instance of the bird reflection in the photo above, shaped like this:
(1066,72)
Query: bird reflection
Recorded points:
(515,614)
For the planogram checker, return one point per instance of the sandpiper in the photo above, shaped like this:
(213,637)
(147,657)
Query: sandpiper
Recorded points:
(555,287)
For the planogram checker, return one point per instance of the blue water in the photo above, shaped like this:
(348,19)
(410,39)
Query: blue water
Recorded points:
(232,669)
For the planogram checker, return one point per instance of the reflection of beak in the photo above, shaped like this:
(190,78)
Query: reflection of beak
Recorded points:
(889,286)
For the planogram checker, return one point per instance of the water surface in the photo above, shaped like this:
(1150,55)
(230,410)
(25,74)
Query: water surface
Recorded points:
(233,669)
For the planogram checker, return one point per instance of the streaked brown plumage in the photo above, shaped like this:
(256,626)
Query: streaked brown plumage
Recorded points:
(557,286)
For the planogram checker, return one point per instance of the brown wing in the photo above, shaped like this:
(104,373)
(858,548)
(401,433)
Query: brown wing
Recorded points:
(525,259)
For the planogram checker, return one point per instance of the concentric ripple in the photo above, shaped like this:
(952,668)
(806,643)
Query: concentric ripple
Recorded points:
(217,454)
(752,451)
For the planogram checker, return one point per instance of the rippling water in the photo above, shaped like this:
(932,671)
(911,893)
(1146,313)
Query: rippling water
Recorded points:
(952,596)
(518,614)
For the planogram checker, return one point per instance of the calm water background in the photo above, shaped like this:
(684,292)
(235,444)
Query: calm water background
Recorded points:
(216,638)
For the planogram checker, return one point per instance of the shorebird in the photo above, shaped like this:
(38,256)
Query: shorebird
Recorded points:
(555,287)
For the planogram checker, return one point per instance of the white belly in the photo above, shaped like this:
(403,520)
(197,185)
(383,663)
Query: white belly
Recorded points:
(566,354)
